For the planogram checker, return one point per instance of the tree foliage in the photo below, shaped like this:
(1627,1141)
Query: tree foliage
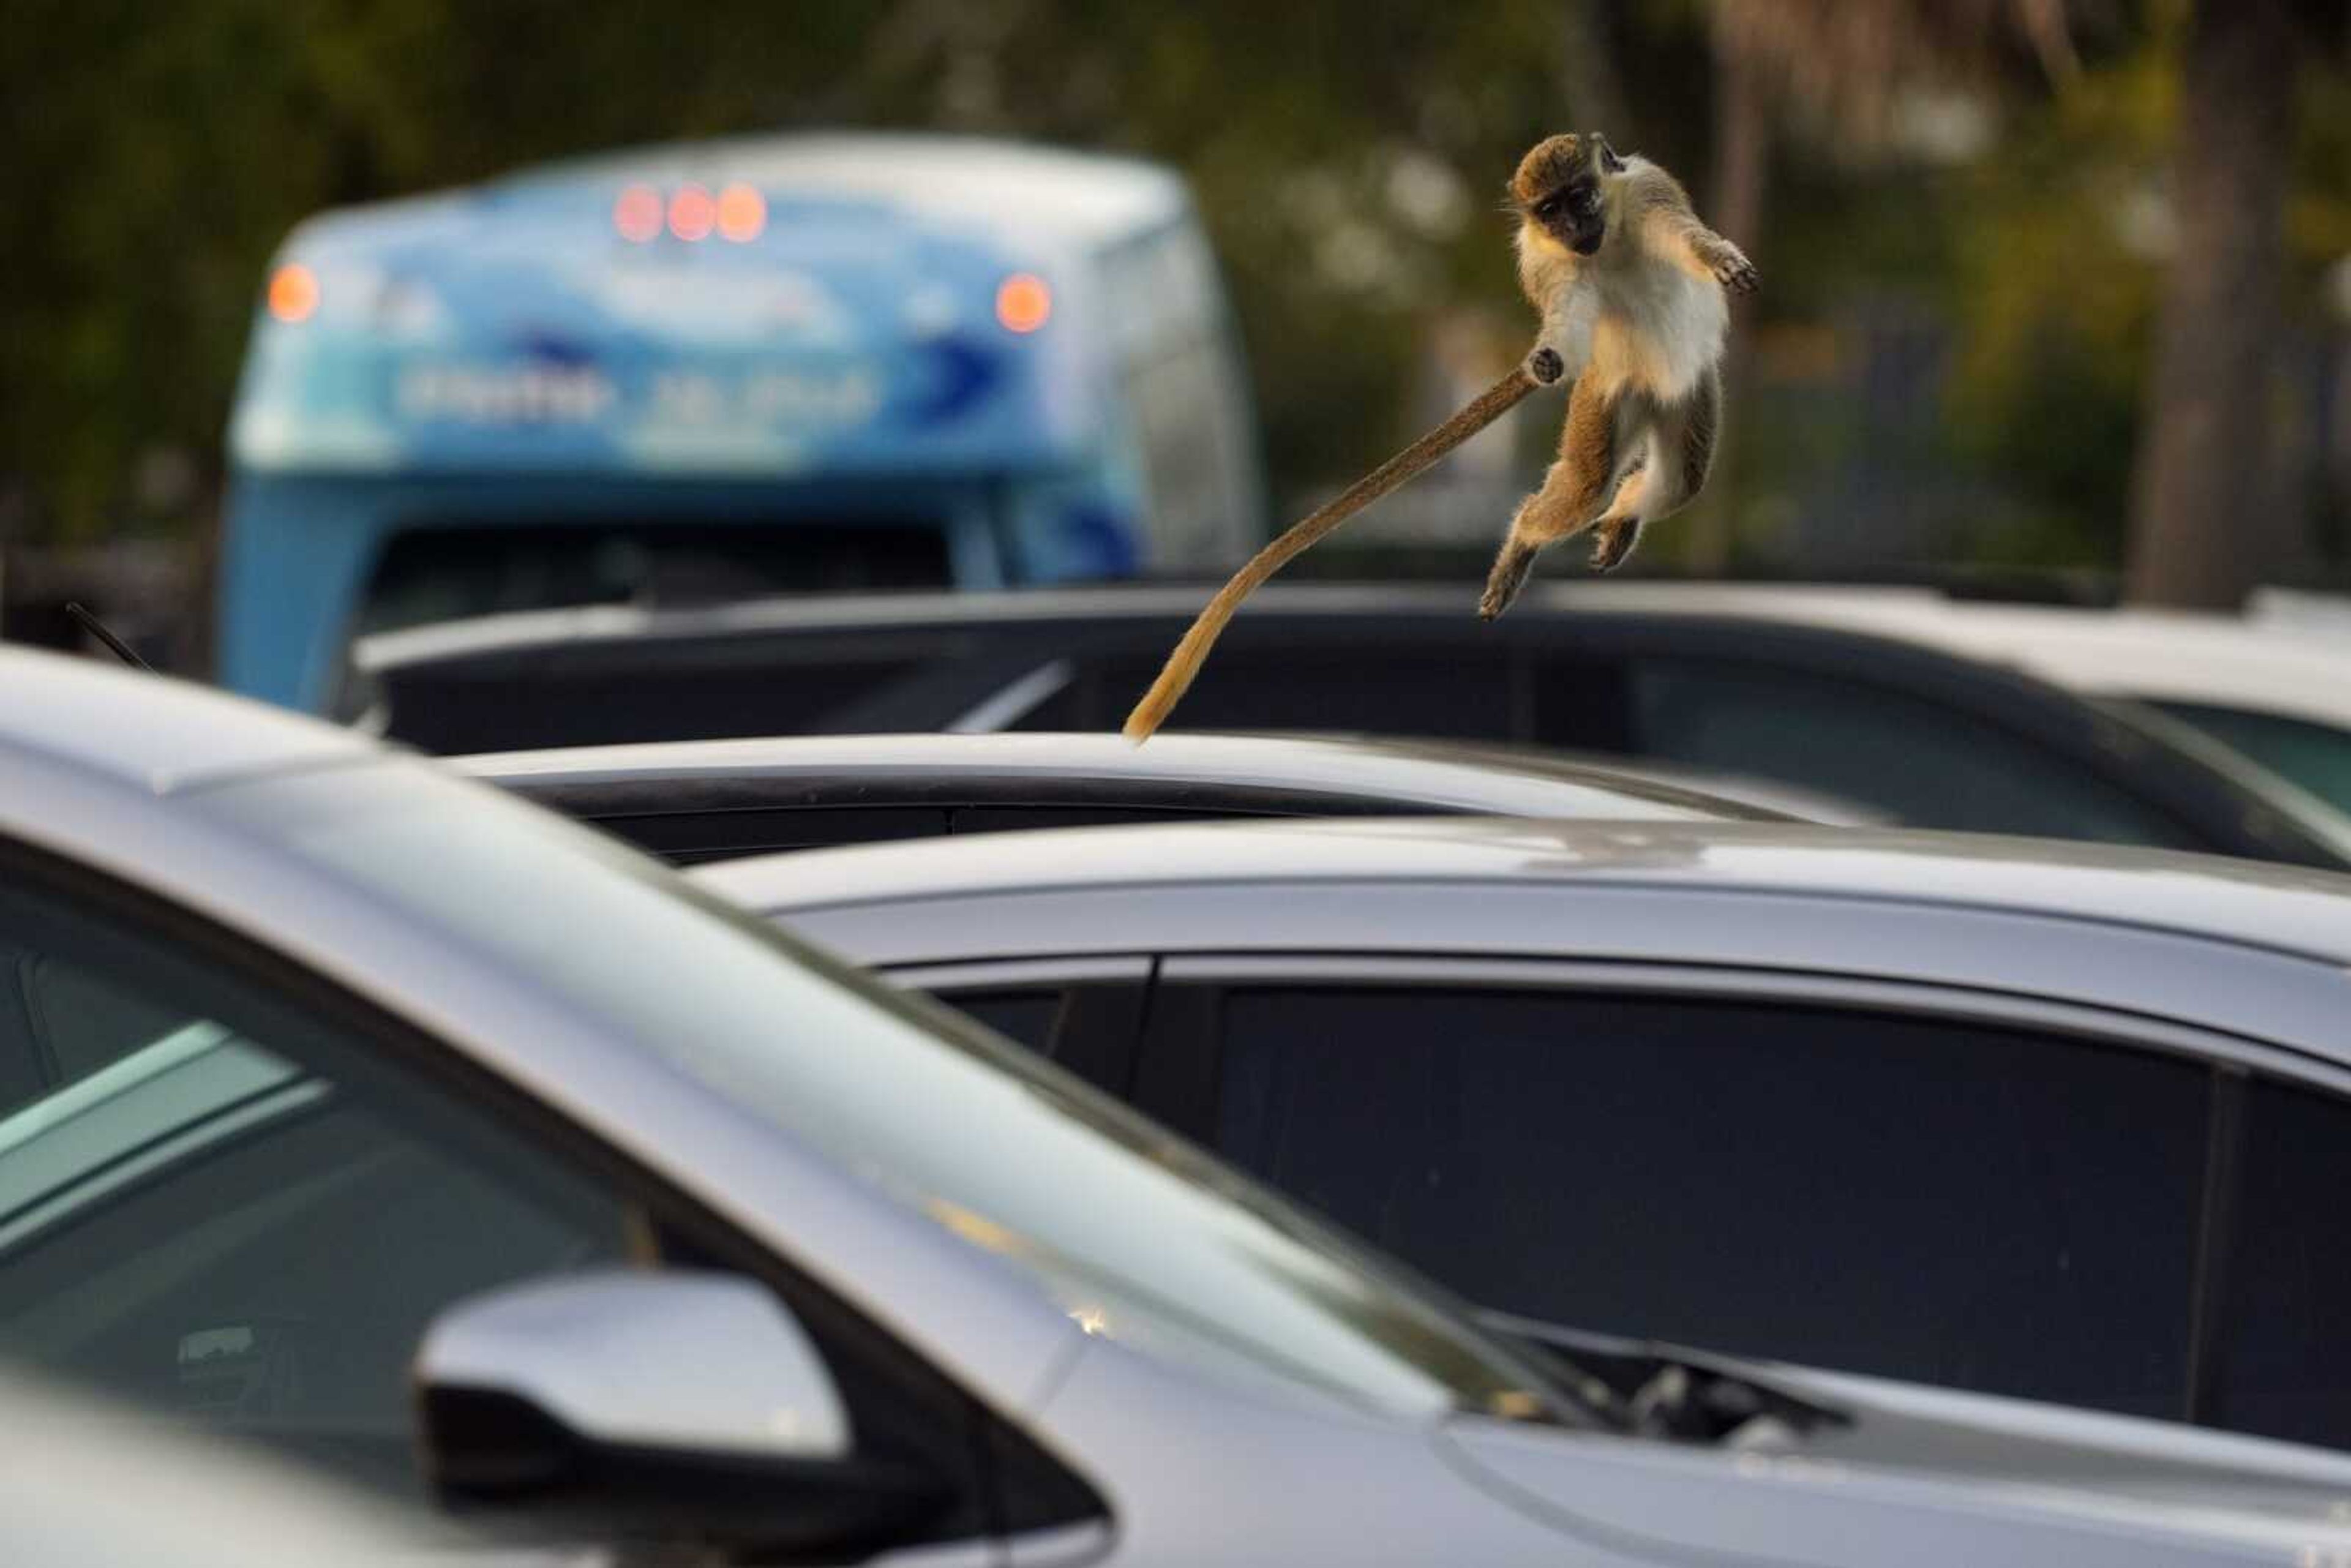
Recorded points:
(1348,157)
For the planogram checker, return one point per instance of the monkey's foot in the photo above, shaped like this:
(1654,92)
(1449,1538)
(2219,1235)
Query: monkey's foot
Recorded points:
(1738,273)
(1544,366)
(1509,575)
(1613,540)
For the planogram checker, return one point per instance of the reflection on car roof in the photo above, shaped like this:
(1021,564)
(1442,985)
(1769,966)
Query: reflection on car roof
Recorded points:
(2280,908)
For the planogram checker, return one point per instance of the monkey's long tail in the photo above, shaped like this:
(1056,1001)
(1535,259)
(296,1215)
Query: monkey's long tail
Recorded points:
(1191,653)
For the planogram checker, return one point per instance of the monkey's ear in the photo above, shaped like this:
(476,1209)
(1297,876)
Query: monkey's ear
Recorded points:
(1609,162)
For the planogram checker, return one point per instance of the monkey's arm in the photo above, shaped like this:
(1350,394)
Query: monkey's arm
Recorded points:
(1567,328)
(1541,368)
(1675,232)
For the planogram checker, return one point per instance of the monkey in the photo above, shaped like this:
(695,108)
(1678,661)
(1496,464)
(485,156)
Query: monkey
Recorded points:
(1604,243)
(1631,288)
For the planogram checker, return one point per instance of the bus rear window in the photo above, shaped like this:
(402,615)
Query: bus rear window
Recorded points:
(447,573)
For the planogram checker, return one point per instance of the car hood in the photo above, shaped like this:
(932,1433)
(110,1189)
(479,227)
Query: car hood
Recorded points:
(2163,1464)
(1687,1504)
(1199,1466)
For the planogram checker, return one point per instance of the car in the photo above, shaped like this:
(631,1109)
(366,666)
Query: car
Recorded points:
(361,1109)
(689,801)
(1883,724)
(2274,688)
(2009,1117)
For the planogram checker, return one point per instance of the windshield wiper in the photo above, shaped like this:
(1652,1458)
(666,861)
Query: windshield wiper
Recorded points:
(96,628)
(1655,1390)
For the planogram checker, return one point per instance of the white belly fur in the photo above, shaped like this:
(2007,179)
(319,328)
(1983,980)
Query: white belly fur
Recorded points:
(1659,328)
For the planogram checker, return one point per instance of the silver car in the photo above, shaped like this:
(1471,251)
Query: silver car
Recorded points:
(68,1464)
(2008,1118)
(694,800)
(331,1077)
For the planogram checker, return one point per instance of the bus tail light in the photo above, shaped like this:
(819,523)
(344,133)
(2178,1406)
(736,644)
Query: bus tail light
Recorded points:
(293,292)
(1023,303)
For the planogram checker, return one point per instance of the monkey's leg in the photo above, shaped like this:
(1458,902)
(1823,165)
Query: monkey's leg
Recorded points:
(1681,456)
(1572,495)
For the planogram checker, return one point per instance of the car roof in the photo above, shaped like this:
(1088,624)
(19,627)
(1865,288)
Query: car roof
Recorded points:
(1498,779)
(2281,909)
(153,732)
(2176,656)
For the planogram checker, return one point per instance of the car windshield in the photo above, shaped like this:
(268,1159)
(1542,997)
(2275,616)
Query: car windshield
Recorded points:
(2316,756)
(1136,1235)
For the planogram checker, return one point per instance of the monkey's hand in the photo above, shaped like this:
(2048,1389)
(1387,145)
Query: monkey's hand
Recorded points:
(1734,271)
(1545,367)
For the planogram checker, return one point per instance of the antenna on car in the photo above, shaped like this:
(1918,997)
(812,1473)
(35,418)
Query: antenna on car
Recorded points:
(96,628)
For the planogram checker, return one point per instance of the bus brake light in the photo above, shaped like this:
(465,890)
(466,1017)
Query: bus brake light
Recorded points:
(742,212)
(692,212)
(1023,303)
(637,213)
(293,292)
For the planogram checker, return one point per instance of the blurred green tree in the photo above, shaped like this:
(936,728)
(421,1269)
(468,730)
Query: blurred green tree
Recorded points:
(1348,158)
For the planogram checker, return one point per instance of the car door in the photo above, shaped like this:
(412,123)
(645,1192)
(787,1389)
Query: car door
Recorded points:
(240,1200)
(1912,1184)
(2281,1362)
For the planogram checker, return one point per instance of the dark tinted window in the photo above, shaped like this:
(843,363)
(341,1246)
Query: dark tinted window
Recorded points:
(2285,1365)
(1457,690)
(1946,1204)
(1025,1016)
(458,709)
(1926,763)
(447,573)
(691,838)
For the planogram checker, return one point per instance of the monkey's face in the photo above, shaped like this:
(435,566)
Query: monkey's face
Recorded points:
(1560,189)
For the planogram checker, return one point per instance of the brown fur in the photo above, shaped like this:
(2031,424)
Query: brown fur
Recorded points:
(1647,345)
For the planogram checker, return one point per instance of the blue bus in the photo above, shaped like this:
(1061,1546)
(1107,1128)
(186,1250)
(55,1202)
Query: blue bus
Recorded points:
(795,363)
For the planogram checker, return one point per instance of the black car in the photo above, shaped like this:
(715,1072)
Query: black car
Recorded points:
(1915,735)
(690,802)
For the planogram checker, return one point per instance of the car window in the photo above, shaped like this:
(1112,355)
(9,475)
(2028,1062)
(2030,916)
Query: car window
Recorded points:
(691,838)
(58,1023)
(448,571)
(1147,1240)
(1926,763)
(2316,756)
(580,701)
(2284,1363)
(1026,1016)
(1456,691)
(1938,1202)
(221,1212)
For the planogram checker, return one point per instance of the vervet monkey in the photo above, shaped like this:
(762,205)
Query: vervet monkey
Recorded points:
(1629,284)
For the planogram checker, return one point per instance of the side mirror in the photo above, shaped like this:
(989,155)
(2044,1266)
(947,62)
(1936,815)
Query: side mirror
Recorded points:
(656,1406)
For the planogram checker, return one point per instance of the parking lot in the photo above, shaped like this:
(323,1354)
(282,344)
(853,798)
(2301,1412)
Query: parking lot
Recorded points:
(586,975)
